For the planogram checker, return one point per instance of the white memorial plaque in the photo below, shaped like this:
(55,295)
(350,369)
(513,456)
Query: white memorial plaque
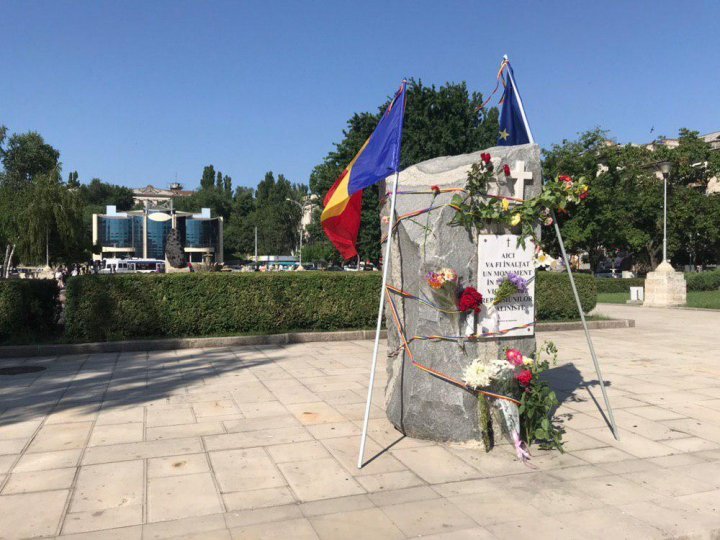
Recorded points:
(498,255)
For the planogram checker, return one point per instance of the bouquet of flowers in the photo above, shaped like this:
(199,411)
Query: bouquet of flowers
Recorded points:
(481,375)
(444,290)
(537,400)
(444,287)
(510,285)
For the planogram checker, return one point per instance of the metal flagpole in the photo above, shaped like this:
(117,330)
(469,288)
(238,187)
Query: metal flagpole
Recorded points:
(587,331)
(386,265)
(570,275)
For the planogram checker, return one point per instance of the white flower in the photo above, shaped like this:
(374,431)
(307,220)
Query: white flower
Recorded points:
(481,374)
(542,259)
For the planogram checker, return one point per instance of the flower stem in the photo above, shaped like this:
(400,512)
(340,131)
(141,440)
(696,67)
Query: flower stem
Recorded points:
(485,422)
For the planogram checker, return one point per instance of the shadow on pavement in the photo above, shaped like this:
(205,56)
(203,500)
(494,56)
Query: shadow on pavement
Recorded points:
(86,382)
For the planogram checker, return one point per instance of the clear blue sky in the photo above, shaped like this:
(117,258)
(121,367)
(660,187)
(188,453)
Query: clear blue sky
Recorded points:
(137,92)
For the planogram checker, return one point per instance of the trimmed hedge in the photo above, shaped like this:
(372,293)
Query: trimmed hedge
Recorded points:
(28,310)
(703,281)
(554,299)
(617,285)
(696,281)
(101,308)
(137,306)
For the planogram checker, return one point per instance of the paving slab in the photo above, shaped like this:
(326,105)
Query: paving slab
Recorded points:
(261,442)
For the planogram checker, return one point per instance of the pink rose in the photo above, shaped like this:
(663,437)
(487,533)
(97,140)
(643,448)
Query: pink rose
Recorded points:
(514,356)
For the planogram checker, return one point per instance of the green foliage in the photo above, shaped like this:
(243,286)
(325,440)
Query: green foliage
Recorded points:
(476,211)
(150,305)
(703,281)
(28,310)
(320,252)
(37,210)
(608,285)
(266,207)
(28,156)
(554,300)
(438,122)
(695,281)
(538,402)
(115,307)
(625,203)
(98,194)
(73,181)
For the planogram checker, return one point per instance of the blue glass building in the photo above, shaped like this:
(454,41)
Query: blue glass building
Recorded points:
(142,234)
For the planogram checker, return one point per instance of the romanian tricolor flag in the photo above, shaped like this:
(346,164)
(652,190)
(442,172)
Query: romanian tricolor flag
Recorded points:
(378,158)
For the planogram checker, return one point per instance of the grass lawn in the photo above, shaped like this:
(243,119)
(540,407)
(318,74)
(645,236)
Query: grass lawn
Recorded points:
(697,299)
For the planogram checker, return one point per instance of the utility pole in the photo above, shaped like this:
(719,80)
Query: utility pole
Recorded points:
(256,256)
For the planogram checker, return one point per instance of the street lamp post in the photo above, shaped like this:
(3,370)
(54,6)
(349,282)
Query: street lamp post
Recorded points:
(665,167)
(302,215)
(664,286)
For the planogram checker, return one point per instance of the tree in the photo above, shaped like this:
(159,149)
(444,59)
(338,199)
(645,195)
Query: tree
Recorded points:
(27,156)
(438,122)
(624,209)
(98,194)
(39,215)
(239,233)
(276,218)
(49,221)
(208,178)
(73,181)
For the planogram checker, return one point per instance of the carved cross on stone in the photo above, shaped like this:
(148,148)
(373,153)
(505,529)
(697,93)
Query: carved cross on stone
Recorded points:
(518,176)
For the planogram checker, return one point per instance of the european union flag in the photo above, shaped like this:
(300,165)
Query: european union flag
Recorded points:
(512,127)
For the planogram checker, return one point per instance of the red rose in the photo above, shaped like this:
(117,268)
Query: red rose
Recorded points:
(485,157)
(470,299)
(564,178)
(506,169)
(583,195)
(524,377)
(436,189)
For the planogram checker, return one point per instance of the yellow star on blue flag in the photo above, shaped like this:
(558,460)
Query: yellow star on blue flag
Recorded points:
(512,127)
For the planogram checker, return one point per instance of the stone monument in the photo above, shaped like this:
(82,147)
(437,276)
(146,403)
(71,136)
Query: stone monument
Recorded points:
(665,287)
(175,260)
(418,403)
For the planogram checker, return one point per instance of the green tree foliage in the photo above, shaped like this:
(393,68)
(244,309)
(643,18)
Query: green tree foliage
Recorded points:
(38,213)
(438,122)
(625,205)
(52,217)
(277,219)
(73,181)
(26,156)
(98,194)
(208,178)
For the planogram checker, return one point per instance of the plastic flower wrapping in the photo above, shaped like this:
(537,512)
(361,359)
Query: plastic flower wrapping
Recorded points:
(442,289)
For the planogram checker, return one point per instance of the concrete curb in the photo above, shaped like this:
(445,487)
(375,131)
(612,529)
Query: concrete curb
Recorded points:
(19,351)
(592,325)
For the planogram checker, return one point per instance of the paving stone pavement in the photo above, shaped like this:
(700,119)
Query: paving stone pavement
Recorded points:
(261,442)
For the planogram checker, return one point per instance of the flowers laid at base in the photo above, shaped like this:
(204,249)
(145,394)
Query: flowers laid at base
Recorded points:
(517,377)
